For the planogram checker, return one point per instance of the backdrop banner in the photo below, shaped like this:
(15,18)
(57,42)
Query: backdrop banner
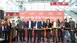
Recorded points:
(40,15)
(9,14)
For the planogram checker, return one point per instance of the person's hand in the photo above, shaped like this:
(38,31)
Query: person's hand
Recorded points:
(47,27)
(63,26)
(41,27)
(34,28)
(72,30)
(62,30)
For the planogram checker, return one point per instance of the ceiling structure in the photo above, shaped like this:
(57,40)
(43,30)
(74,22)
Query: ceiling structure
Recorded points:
(16,5)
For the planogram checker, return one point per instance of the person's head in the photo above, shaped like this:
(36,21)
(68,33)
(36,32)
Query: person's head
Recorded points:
(13,21)
(18,18)
(58,20)
(48,21)
(70,19)
(22,19)
(30,19)
(5,19)
(65,20)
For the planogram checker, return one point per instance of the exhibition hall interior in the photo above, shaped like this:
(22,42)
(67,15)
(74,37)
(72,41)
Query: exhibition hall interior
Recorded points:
(38,21)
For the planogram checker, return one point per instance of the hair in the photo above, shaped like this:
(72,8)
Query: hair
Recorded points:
(58,20)
(18,17)
(5,19)
(47,20)
(65,19)
(70,18)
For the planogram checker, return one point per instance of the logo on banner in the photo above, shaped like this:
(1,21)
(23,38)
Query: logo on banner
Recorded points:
(60,2)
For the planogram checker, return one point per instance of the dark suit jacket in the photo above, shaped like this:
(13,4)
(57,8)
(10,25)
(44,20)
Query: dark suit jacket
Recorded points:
(0,28)
(44,24)
(32,24)
(20,24)
(67,24)
(72,25)
(39,24)
(6,28)
(9,27)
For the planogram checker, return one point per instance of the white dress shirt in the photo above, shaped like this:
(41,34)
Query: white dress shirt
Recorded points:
(36,25)
(54,24)
(42,22)
(29,24)
(2,28)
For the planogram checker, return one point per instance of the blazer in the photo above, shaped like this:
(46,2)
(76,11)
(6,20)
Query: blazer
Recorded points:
(7,27)
(44,24)
(67,24)
(72,25)
(21,24)
(32,24)
(39,24)
(0,28)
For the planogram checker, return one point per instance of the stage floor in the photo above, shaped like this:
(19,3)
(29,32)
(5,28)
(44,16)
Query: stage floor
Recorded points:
(42,42)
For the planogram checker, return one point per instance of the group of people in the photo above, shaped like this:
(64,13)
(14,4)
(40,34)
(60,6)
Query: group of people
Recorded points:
(5,28)
(63,28)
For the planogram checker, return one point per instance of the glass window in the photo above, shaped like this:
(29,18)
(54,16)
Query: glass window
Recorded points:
(41,0)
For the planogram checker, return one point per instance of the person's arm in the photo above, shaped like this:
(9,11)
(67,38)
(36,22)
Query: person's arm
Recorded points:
(74,26)
(34,24)
(27,25)
(24,24)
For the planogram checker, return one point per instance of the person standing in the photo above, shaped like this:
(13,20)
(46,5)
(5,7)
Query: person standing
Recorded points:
(72,32)
(61,32)
(30,25)
(38,26)
(48,26)
(23,29)
(43,26)
(54,30)
(35,31)
(0,30)
(20,25)
(6,29)
(66,30)
(14,31)
(9,29)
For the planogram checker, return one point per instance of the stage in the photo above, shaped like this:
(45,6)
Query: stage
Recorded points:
(42,41)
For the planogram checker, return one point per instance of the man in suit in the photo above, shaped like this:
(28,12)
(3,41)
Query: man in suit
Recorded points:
(43,26)
(0,30)
(35,31)
(38,25)
(21,26)
(72,32)
(61,32)
(30,25)
(6,28)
